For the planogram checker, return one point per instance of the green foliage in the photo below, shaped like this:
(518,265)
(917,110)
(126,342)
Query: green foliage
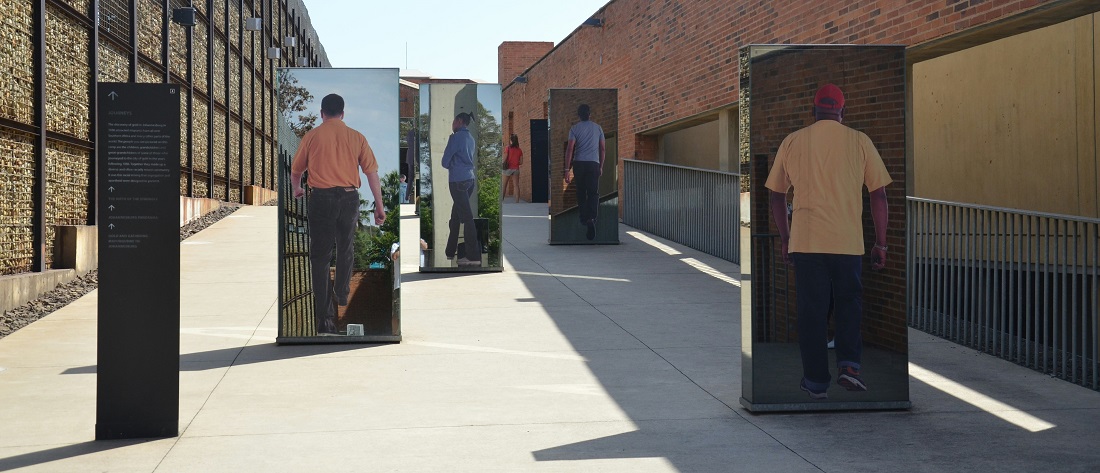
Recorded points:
(426,224)
(490,148)
(372,244)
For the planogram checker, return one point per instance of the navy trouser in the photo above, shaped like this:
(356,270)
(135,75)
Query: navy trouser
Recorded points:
(820,277)
(586,176)
(332,216)
(462,213)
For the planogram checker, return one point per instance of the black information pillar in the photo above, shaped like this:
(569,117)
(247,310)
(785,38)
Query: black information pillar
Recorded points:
(138,149)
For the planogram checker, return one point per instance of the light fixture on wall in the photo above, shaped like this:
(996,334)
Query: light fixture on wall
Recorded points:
(274,53)
(290,41)
(520,79)
(253,24)
(184,16)
(597,22)
(302,62)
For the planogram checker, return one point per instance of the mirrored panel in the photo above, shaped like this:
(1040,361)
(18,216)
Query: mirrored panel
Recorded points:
(461,145)
(584,185)
(824,329)
(339,192)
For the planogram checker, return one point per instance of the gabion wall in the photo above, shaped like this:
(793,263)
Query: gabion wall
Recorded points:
(228,106)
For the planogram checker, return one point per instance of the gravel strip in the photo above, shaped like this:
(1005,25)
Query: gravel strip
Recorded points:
(200,224)
(59,297)
(63,294)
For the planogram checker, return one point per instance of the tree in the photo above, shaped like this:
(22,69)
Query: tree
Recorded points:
(490,145)
(293,99)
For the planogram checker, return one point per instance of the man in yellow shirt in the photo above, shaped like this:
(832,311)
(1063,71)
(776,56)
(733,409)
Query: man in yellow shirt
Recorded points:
(828,164)
(333,154)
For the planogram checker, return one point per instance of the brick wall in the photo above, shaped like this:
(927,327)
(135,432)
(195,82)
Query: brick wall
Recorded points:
(674,59)
(514,57)
(407,97)
(781,97)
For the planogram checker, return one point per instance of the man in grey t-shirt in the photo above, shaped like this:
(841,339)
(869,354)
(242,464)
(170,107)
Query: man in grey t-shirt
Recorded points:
(585,155)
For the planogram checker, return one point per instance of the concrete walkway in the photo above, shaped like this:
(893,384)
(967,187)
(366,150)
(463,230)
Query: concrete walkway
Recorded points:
(574,359)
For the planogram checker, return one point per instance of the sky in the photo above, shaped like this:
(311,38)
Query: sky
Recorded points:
(445,39)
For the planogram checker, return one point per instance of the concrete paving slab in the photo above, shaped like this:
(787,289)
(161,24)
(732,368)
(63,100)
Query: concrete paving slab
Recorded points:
(84,308)
(678,325)
(716,370)
(531,328)
(934,442)
(575,358)
(450,390)
(213,299)
(45,406)
(703,445)
(684,288)
(49,343)
(122,456)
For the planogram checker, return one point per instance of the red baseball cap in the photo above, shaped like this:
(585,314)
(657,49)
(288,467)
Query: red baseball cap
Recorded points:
(829,97)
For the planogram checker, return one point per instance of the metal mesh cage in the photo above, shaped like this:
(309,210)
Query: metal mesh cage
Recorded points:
(150,24)
(114,18)
(67,175)
(219,71)
(198,52)
(218,146)
(148,75)
(68,94)
(199,142)
(17,163)
(79,5)
(114,65)
(234,150)
(17,63)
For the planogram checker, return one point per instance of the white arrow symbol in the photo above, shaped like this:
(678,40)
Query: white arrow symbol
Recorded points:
(111,207)
(111,189)
(111,226)
(112,95)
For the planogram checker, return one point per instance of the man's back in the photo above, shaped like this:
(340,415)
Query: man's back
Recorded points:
(828,164)
(587,135)
(333,154)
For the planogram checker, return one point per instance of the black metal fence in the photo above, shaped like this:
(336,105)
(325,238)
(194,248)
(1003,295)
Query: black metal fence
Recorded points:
(1023,286)
(697,208)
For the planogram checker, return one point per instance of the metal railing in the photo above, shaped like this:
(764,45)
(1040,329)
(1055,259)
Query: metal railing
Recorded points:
(698,208)
(1023,286)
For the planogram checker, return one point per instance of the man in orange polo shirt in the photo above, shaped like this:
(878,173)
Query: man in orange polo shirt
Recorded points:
(828,164)
(333,154)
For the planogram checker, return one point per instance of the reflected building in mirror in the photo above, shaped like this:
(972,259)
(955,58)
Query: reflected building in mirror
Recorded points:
(584,197)
(828,332)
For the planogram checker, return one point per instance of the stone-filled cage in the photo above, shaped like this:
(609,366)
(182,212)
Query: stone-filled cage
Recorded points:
(53,58)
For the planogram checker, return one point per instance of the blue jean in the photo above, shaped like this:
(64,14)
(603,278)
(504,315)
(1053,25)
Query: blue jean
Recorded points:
(332,216)
(819,278)
(462,213)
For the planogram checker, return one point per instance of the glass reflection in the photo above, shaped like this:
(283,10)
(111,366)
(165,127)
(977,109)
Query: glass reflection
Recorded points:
(862,341)
(460,149)
(339,190)
(584,192)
